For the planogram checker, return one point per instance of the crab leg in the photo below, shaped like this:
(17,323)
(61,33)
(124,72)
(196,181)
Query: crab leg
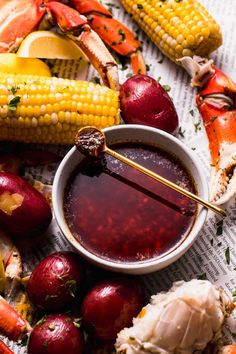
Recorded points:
(76,27)
(112,32)
(12,325)
(216,103)
(17,19)
(4,349)
(228,349)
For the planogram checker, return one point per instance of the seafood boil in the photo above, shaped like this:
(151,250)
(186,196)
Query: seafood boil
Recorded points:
(191,316)
(84,24)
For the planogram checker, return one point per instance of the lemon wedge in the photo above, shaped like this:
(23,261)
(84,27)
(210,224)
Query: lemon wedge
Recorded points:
(2,276)
(46,44)
(10,63)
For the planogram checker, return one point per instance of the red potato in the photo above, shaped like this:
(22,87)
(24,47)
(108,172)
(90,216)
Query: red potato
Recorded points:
(110,306)
(24,211)
(56,334)
(60,276)
(144,101)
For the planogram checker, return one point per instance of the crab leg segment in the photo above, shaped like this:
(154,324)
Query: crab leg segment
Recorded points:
(112,32)
(17,19)
(216,102)
(4,349)
(76,27)
(12,325)
(228,349)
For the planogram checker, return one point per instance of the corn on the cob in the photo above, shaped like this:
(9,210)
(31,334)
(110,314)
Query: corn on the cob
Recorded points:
(178,28)
(51,110)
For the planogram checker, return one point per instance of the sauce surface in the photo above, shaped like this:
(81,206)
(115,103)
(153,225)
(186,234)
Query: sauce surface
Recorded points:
(119,214)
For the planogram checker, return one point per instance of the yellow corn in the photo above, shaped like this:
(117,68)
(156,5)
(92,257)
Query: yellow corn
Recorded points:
(51,110)
(177,27)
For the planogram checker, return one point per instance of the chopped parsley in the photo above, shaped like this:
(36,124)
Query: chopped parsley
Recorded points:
(77,322)
(202,276)
(181,132)
(140,6)
(219,228)
(12,105)
(227,255)
(14,89)
(71,286)
(167,88)
(122,34)
(197,127)
(213,118)
(234,293)
(191,112)
(96,79)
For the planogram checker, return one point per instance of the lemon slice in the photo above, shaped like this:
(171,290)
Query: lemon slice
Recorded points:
(46,44)
(10,63)
(2,276)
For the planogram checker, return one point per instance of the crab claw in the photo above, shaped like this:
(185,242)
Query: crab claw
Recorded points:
(4,349)
(216,102)
(17,19)
(76,27)
(228,349)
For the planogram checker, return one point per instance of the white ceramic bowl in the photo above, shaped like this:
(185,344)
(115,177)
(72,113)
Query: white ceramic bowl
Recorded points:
(142,134)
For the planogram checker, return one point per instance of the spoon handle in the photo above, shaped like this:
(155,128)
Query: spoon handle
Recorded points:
(166,182)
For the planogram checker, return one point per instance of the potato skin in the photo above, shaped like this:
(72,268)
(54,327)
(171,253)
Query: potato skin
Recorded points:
(60,276)
(110,306)
(56,334)
(28,218)
(144,101)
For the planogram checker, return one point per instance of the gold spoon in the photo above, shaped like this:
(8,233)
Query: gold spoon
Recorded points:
(91,141)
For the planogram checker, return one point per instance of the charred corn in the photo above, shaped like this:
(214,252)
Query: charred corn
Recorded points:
(178,28)
(51,110)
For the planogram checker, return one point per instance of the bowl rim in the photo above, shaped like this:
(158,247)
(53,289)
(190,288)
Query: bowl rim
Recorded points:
(148,265)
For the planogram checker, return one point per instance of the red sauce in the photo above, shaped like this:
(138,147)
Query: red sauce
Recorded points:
(119,214)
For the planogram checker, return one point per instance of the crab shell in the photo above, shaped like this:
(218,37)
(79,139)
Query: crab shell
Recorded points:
(183,320)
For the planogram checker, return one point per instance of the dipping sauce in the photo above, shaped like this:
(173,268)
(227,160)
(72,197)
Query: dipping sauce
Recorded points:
(122,215)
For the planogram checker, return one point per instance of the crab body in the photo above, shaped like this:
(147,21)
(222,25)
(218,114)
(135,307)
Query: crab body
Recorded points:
(181,321)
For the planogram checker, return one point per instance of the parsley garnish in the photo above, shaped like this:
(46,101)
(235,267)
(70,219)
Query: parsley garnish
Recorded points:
(12,105)
(202,276)
(191,112)
(71,286)
(167,88)
(227,255)
(122,34)
(77,322)
(213,118)
(181,132)
(140,6)
(197,127)
(219,229)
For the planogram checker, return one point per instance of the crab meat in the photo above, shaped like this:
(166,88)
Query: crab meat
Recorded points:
(216,102)
(183,320)
(12,261)
(228,349)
